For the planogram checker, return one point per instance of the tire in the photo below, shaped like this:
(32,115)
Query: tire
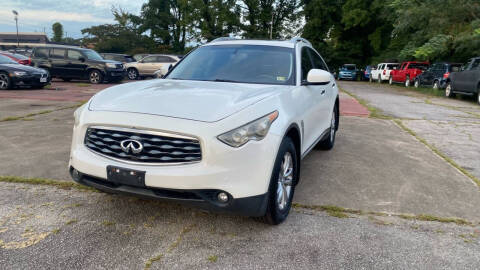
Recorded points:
(449,91)
(407,82)
(329,142)
(416,84)
(66,79)
(95,77)
(390,80)
(370,78)
(478,94)
(379,79)
(436,85)
(282,183)
(5,82)
(132,74)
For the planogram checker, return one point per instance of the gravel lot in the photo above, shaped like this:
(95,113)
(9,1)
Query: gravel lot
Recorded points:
(376,167)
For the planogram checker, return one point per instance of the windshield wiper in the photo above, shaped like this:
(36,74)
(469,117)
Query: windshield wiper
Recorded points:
(222,80)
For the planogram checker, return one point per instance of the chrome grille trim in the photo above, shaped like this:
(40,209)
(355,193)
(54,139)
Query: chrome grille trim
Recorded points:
(160,148)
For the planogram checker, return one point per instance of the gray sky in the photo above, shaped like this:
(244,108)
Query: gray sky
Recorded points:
(37,15)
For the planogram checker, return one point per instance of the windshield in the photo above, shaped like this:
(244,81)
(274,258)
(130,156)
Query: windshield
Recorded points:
(92,55)
(6,60)
(349,67)
(238,63)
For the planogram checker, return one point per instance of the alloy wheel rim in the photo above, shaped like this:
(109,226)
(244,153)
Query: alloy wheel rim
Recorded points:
(3,81)
(132,74)
(390,81)
(285,181)
(447,90)
(416,84)
(435,85)
(407,82)
(94,77)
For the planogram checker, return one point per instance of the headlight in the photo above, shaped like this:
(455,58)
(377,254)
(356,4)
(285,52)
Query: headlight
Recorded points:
(255,130)
(111,65)
(20,73)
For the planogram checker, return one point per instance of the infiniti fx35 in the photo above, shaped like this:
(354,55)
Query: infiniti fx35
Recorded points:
(224,130)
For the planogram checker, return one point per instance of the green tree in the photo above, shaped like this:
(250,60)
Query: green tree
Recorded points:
(216,18)
(57,29)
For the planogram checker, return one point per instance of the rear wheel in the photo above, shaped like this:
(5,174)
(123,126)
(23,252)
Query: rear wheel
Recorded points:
(449,91)
(370,78)
(282,183)
(4,81)
(416,84)
(379,79)
(390,81)
(95,77)
(436,85)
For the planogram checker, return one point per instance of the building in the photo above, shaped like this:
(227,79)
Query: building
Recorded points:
(8,40)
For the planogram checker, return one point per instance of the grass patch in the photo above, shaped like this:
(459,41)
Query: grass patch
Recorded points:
(82,84)
(28,116)
(45,182)
(108,223)
(70,222)
(55,231)
(150,261)
(438,152)
(213,258)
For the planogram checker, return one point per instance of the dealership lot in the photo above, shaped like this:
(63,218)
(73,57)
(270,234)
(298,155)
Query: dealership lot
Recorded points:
(376,166)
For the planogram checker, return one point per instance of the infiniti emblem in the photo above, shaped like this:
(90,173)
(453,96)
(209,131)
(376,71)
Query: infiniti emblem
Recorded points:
(131,145)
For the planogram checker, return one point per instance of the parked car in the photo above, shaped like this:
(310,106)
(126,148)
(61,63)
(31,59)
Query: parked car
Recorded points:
(123,58)
(215,132)
(348,72)
(407,72)
(382,72)
(13,74)
(19,58)
(140,56)
(147,66)
(466,81)
(366,72)
(436,76)
(69,63)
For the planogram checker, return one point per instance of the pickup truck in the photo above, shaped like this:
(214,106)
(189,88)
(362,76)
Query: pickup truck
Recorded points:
(382,72)
(466,81)
(407,72)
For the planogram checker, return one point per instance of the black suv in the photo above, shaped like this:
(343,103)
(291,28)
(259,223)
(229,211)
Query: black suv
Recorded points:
(436,75)
(69,63)
(466,81)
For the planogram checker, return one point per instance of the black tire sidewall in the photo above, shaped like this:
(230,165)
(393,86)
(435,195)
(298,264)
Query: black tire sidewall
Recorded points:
(274,215)
(9,82)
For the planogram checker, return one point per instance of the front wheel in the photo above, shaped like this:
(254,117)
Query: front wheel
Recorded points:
(435,85)
(4,81)
(407,82)
(282,183)
(132,74)
(95,77)
(416,84)
(449,91)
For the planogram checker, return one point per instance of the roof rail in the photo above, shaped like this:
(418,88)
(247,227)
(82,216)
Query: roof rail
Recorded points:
(299,39)
(224,39)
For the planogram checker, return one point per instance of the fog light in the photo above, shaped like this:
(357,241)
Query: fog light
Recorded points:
(76,174)
(222,197)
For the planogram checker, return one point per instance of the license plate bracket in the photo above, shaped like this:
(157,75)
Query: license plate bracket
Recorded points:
(43,80)
(125,176)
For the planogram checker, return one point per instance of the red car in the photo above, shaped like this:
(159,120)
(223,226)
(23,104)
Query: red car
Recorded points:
(21,59)
(407,72)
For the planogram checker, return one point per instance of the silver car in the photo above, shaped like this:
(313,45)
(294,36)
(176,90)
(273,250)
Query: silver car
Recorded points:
(148,65)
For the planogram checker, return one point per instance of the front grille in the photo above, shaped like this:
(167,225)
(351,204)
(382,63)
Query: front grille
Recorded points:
(156,148)
(119,66)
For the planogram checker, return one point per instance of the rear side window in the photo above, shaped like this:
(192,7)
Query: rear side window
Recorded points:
(74,55)
(150,59)
(306,63)
(41,53)
(57,53)
(455,68)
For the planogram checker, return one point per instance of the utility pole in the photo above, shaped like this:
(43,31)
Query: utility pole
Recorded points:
(16,23)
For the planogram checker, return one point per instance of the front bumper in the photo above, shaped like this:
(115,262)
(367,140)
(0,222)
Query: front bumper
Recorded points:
(347,76)
(114,73)
(29,80)
(253,206)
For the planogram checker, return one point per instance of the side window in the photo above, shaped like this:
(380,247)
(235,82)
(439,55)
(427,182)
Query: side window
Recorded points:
(162,59)
(306,63)
(57,53)
(41,53)
(149,59)
(317,60)
(476,64)
(73,55)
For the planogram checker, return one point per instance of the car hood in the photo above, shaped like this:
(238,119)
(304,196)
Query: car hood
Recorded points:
(194,100)
(19,67)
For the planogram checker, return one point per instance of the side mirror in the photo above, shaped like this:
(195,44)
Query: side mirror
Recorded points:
(81,59)
(317,77)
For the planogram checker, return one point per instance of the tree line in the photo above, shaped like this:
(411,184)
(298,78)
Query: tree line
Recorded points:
(343,31)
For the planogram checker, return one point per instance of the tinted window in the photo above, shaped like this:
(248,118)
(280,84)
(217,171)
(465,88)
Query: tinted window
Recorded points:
(455,68)
(107,56)
(318,61)
(418,66)
(6,60)
(93,55)
(150,59)
(392,66)
(349,67)
(165,59)
(74,55)
(57,53)
(41,53)
(476,64)
(306,63)
(238,63)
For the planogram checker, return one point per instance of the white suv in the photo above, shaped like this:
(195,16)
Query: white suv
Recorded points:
(225,130)
(382,72)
